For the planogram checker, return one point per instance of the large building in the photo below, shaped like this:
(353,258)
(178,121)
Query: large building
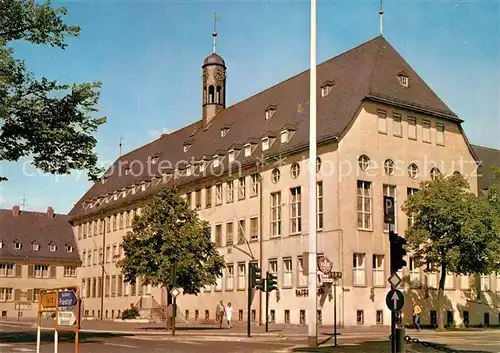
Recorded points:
(244,168)
(37,251)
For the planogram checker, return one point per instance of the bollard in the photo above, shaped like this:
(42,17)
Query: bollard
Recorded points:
(400,340)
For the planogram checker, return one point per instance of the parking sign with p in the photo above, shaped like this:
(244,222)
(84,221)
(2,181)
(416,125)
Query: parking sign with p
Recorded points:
(389,209)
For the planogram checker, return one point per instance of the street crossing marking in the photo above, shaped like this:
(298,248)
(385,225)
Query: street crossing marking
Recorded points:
(120,345)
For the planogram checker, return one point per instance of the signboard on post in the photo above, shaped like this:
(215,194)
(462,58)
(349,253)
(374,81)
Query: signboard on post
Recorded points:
(66,318)
(395,300)
(389,209)
(325,265)
(66,298)
(49,300)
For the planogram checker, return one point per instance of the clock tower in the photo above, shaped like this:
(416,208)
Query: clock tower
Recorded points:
(214,85)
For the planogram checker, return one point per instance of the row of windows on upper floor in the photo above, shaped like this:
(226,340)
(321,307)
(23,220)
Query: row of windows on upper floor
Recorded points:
(118,221)
(94,257)
(34,271)
(412,134)
(114,286)
(35,245)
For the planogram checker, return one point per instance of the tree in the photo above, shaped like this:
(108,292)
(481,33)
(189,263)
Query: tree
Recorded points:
(494,190)
(453,231)
(168,232)
(51,122)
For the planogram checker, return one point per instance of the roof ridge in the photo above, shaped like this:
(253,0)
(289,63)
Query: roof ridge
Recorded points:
(486,147)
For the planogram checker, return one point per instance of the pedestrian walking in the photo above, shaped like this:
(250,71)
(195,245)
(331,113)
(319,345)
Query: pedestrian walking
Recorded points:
(219,313)
(416,316)
(229,314)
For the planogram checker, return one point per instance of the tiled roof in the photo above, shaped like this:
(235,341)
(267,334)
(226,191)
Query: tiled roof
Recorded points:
(29,227)
(367,72)
(489,157)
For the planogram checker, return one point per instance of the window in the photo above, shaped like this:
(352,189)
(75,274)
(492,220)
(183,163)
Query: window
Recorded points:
(380,317)
(485,283)
(390,190)
(276,214)
(6,270)
(218,234)
(284,136)
(449,281)
(18,245)
(248,150)
(358,268)
(319,205)
(413,171)
(287,316)
(241,188)
(325,90)
(114,253)
(295,170)
(412,128)
(241,231)
(208,197)
(295,210)
(119,286)
(52,247)
(378,271)
(389,167)
(302,277)
(302,316)
(218,194)
(364,205)
(114,222)
(318,164)
(197,199)
(6,294)
(275,175)
(363,162)
(273,269)
(108,225)
(497,282)
(410,192)
(229,233)
(69,271)
(121,220)
(41,271)
(269,113)
(288,273)
(382,121)
(107,254)
(440,134)
(435,173)
(35,246)
(230,157)
(403,80)
(319,317)
(254,228)
(397,128)
(272,316)
(414,274)
(224,131)
(189,200)
(241,275)
(229,277)
(218,284)
(255,185)
(360,317)
(426,131)
(265,143)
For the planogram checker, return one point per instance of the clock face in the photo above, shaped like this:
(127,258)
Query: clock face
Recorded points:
(219,74)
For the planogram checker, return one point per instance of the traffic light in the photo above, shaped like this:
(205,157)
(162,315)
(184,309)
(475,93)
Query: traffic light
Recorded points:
(271,282)
(397,251)
(255,277)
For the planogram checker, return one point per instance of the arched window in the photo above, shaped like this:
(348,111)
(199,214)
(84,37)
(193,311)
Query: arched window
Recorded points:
(219,95)
(211,94)
(204,95)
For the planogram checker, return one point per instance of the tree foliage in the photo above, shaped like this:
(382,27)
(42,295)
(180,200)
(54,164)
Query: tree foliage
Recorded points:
(494,190)
(40,118)
(453,230)
(168,232)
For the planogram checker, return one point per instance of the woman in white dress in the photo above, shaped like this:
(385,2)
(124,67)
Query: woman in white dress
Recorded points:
(229,314)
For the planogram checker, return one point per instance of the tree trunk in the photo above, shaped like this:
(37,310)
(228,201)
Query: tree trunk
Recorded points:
(441,297)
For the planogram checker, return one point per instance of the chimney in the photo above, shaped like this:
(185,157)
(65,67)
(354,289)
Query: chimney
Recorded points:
(50,212)
(16,210)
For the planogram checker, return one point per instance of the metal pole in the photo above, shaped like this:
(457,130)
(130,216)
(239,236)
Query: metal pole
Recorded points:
(38,323)
(335,313)
(249,303)
(393,314)
(174,315)
(102,267)
(313,301)
(267,302)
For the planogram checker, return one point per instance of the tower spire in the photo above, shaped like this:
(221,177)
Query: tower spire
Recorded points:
(214,33)
(381,15)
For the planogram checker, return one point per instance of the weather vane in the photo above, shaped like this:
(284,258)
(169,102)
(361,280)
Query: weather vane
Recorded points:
(214,34)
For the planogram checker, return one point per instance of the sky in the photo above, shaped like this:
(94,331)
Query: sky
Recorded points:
(148,55)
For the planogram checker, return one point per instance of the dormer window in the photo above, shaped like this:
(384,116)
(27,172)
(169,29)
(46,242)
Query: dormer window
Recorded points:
(127,171)
(224,131)
(187,146)
(248,150)
(35,246)
(270,110)
(154,160)
(18,245)
(231,156)
(404,79)
(284,136)
(216,161)
(69,248)
(104,180)
(188,170)
(52,247)
(1,244)
(115,196)
(265,143)
(202,166)
(326,88)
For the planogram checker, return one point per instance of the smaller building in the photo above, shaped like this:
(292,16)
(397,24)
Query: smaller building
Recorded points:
(37,251)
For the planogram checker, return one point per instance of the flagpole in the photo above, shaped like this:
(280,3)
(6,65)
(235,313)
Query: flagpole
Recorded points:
(313,303)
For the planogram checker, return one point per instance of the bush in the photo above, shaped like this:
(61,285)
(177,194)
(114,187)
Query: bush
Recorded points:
(131,313)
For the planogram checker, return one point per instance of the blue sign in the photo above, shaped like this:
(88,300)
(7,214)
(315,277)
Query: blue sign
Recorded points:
(67,298)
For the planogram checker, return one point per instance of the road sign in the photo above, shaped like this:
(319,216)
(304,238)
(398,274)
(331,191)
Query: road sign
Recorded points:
(175,292)
(394,280)
(325,265)
(67,298)
(66,318)
(49,300)
(389,209)
(395,300)
(325,278)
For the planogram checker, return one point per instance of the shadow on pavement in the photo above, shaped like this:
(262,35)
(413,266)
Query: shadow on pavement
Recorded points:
(377,347)
(48,337)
